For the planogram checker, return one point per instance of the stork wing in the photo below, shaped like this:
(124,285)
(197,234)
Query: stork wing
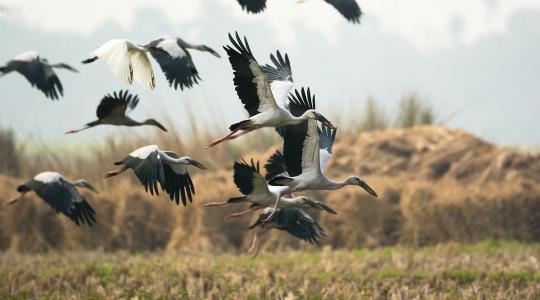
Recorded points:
(178,183)
(301,142)
(300,225)
(348,8)
(253,6)
(115,54)
(280,77)
(64,198)
(175,63)
(327,138)
(116,104)
(146,165)
(275,166)
(251,83)
(142,69)
(40,75)
(248,179)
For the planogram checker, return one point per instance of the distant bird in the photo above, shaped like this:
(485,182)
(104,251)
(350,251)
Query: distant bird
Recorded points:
(62,195)
(255,190)
(152,166)
(175,60)
(39,72)
(306,152)
(254,90)
(348,8)
(293,220)
(113,109)
(127,60)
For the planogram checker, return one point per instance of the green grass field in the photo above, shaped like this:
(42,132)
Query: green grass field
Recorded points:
(489,270)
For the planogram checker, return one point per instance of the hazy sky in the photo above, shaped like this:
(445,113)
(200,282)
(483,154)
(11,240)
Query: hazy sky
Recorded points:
(477,57)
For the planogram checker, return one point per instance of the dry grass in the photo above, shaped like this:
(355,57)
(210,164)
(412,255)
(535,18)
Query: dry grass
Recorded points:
(490,270)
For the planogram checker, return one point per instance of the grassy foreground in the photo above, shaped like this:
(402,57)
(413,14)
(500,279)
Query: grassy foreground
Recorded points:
(489,270)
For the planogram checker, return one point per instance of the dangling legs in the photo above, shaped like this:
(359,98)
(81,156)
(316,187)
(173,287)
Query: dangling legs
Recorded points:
(11,202)
(284,192)
(242,213)
(115,172)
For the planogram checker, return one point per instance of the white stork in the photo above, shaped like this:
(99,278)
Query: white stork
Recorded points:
(175,60)
(39,72)
(258,96)
(307,150)
(255,190)
(113,110)
(127,60)
(347,8)
(62,195)
(152,166)
(293,220)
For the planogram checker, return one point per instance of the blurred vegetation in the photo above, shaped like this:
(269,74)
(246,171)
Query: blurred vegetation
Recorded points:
(489,270)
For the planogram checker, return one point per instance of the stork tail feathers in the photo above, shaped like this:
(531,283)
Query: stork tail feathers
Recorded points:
(239,125)
(23,188)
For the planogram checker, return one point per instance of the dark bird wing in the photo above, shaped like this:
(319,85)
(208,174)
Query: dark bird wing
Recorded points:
(64,198)
(348,8)
(248,179)
(293,220)
(301,142)
(253,6)
(116,104)
(275,166)
(146,165)
(327,137)
(39,73)
(251,83)
(175,62)
(178,183)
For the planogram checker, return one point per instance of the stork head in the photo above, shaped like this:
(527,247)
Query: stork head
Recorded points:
(155,123)
(315,115)
(85,184)
(355,180)
(306,202)
(189,161)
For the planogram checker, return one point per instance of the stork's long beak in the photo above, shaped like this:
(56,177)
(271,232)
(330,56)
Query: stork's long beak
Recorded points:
(161,126)
(368,189)
(325,121)
(197,164)
(327,208)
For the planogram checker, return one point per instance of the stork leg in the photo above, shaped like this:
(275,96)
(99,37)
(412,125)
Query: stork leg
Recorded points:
(115,172)
(255,243)
(215,203)
(77,130)
(280,194)
(11,202)
(239,214)
(232,135)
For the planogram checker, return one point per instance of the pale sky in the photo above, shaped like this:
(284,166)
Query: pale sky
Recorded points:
(477,55)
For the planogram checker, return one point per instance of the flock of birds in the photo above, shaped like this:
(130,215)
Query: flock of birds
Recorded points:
(266,93)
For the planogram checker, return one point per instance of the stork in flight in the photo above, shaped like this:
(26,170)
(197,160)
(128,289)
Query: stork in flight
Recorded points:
(113,109)
(175,60)
(347,8)
(258,93)
(127,60)
(152,166)
(256,191)
(39,72)
(62,195)
(293,220)
(306,152)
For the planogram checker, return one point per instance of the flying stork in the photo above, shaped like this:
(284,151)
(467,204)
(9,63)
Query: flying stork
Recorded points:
(254,89)
(175,60)
(112,110)
(306,152)
(62,195)
(127,60)
(256,191)
(39,72)
(293,220)
(152,166)
(348,8)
